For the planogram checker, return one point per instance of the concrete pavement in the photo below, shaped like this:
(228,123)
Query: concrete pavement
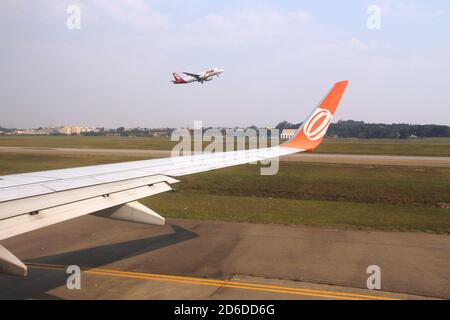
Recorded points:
(141,261)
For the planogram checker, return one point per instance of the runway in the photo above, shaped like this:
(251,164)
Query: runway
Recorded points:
(420,161)
(190,259)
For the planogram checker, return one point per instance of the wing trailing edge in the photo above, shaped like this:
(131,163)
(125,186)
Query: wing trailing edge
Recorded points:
(46,217)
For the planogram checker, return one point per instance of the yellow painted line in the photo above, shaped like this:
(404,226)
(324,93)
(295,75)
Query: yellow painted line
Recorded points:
(230,282)
(200,282)
(217,283)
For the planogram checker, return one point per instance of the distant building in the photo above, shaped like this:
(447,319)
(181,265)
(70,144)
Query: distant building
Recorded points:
(65,130)
(159,132)
(28,132)
(75,130)
(287,133)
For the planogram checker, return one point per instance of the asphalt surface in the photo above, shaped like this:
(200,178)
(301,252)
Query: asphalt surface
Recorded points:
(189,259)
(301,157)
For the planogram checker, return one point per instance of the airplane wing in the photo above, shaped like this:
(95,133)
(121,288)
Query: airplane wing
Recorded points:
(195,75)
(30,201)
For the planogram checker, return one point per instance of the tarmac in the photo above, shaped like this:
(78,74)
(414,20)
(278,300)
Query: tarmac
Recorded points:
(190,259)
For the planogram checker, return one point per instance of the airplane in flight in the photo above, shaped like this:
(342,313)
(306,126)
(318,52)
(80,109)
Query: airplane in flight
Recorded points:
(31,201)
(197,77)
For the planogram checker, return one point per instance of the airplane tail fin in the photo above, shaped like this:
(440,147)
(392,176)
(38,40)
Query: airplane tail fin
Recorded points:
(178,78)
(311,133)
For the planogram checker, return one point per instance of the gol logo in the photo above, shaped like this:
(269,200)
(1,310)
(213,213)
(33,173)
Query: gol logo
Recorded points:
(317,125)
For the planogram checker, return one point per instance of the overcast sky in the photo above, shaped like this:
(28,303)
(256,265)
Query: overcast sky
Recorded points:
(280,58)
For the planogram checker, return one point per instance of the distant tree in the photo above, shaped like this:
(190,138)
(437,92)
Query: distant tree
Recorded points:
(287,125)
(121,131)
(360,129)
(283,125)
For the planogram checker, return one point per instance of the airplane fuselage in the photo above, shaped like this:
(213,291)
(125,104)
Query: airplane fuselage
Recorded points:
(208,74)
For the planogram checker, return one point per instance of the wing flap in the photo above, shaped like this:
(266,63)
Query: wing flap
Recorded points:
(137,212)
(17,207)
(25,223)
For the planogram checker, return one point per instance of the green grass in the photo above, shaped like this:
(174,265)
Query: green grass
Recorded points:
(299,212)
(410,147)
(424,147)
(334,195)
(101,142)
(11,163)
(425,187)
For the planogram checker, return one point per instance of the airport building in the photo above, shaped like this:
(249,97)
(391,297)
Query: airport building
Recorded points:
(287,133)
(74,130)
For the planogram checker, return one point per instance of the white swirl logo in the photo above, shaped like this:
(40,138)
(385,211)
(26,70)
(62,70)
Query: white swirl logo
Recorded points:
(317,125)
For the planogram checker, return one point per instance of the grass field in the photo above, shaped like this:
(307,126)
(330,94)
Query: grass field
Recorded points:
(300,212)
(11,163)
(333,195)
(410,147)
(425,147)
(102,142)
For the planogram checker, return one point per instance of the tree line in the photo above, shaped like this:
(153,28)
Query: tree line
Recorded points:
(360,129)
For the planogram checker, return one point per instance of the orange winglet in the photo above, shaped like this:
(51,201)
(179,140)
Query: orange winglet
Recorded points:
(312,131)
